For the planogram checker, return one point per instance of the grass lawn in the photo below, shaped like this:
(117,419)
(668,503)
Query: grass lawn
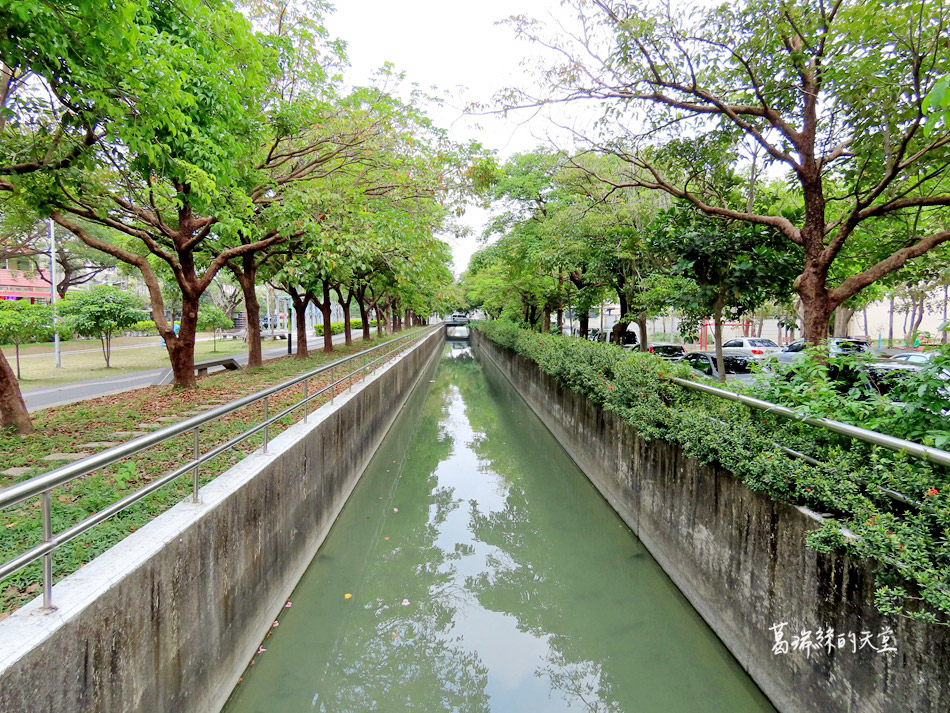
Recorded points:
(66,428)
(83,361)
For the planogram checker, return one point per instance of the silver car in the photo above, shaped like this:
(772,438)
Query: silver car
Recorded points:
(836,346)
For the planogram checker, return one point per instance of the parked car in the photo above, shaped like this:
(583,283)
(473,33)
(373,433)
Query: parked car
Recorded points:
(737,364)
(758,346)
(913,357)
(836,346)
(666,350)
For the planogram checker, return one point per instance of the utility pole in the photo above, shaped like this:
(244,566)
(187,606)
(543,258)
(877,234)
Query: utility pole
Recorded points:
(52,292)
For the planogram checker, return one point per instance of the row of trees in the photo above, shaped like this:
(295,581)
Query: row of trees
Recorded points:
(186,138)
(752,150)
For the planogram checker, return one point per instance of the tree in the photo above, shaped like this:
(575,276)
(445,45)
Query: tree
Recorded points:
(212,318)
(833,93)
(101,312)
(735,267)
(22,322)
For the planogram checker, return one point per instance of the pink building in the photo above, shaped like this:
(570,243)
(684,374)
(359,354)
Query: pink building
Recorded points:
(19,281)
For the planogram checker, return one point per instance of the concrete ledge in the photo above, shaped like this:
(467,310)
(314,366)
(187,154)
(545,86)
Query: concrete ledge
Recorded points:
(741,560)
(166,620)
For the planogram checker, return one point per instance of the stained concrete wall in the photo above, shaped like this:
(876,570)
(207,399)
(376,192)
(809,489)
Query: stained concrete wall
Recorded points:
(741,560)
(167,620)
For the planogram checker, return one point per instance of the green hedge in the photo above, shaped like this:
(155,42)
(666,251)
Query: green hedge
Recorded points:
(910,544)
(339,327)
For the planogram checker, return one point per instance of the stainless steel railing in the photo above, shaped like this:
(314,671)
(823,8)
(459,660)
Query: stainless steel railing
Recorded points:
(934,455)
(42,485)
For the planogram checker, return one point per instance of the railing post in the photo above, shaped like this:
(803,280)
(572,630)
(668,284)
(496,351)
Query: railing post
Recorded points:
(48,557)
(194,473)
(332,387)
(306,394)
(266,415)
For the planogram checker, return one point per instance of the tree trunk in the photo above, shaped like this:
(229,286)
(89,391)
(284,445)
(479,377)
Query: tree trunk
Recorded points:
(16,348)
(246,277)
(106,341)
(546,317)
(13,413)
(364,318)
(327,317)
(408,322)
(717,335)
(642,326)
(300,315)
(920,317)
(816,306)
(345,306)
(620,326)
(181,348)
(584,327)
(943,327)
(890,323)
(380,321)
(843,317)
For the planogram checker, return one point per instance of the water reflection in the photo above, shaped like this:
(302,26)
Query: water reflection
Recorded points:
(486,575)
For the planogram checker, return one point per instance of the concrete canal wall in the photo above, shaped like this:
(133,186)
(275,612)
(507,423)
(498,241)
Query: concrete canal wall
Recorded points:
(741,560)
(166,621)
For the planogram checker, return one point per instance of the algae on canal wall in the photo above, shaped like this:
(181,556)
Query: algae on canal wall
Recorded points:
(741,560)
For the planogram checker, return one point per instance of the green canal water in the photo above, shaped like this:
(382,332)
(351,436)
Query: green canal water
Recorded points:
(486,574)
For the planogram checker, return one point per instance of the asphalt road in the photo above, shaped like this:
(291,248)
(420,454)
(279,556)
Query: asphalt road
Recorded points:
(37,399)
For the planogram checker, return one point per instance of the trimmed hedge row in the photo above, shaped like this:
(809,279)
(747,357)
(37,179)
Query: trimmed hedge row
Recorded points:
(912,544)
(340,327)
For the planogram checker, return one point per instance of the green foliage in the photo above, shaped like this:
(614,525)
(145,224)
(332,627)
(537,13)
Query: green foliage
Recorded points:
(145,326)
(852,481)
(101,312)
(22,322)
(340,327)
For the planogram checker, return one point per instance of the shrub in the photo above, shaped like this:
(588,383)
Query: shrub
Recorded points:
(340,327)
(145,327)
(853,481)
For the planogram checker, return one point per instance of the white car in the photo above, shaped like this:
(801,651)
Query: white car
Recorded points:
(914,357)
(757,346)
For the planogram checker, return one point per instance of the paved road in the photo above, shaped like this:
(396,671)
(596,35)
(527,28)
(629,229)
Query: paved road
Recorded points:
(37,399)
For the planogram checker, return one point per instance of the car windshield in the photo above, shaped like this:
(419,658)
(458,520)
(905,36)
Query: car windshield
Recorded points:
(668,350)
(736,364)
(762,343)
(853,346)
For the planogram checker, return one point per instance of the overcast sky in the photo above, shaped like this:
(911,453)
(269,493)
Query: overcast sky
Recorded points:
(457,47)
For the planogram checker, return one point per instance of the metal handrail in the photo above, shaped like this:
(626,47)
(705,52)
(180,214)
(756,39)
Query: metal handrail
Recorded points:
(933,455)
(42,485)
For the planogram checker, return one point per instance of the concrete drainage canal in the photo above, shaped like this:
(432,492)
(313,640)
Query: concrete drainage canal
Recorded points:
(475,568)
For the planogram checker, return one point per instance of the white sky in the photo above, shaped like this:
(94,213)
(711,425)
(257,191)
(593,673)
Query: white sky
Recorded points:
(457,47)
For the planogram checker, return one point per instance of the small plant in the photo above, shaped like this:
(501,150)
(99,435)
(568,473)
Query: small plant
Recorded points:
(125,473)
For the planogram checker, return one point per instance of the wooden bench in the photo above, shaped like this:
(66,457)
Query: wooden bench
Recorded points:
(227,362)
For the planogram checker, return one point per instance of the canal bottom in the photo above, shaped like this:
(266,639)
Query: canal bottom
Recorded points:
(476,569)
